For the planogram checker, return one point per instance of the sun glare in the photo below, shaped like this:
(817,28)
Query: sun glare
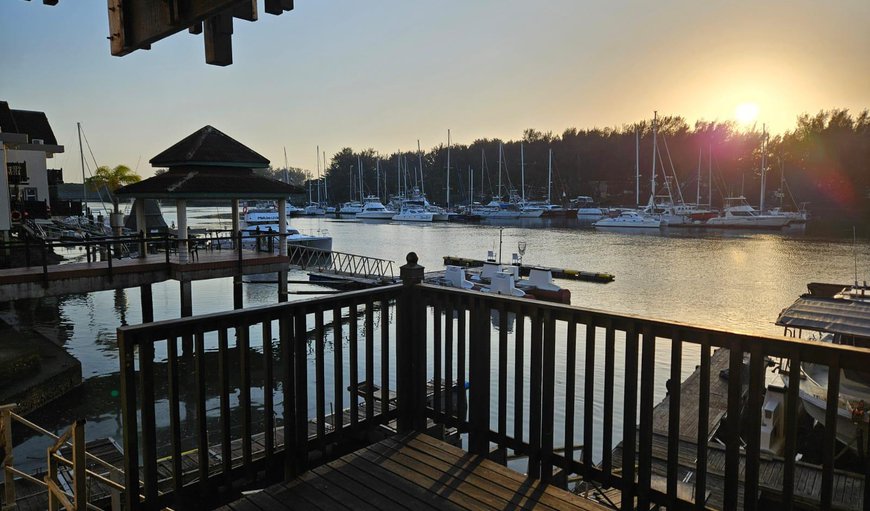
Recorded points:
(746,113)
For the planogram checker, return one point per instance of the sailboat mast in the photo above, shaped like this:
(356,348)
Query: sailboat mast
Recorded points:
(655,150)
(317,156)
(470,186)
(522,173)
(360,173)
(325,189)
(637,167)
(448,170)
(84,182)
(420,164)
(500,155)
(549,175)
(378,177)
(698,189)
(710,177)
(286,167)
(763,162)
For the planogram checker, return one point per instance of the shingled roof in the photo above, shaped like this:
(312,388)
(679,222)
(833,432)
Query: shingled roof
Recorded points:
(33,124)
(200,182)
(210,146)
(209,164)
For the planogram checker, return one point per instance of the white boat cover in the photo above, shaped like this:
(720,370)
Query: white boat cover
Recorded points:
(846,317)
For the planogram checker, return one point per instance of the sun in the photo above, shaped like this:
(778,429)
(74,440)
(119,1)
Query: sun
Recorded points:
(746,113)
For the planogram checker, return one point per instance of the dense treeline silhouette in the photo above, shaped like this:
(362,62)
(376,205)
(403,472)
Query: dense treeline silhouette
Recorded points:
(825,160)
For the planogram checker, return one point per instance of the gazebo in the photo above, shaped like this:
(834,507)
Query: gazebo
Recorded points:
(209,165)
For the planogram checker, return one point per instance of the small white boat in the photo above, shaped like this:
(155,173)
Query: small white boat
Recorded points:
(629,219)
(374,210)
(738,214)
(265,231)
(412,214)
(350,208)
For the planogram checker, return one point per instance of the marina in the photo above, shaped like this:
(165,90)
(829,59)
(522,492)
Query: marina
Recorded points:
(533,272)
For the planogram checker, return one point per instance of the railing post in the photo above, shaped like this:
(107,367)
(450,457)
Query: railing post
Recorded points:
(7,459)
(166,244)
(80,484)
(239,247)
(410,348)
(109,258)
(44,263)
(142,244)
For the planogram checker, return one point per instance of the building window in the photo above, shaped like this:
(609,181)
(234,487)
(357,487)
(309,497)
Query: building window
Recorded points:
(17,172)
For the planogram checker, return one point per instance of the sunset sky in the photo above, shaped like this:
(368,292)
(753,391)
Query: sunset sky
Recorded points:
(383,74)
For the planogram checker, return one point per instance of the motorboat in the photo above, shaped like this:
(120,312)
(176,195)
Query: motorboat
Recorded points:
(350,208)
(843,318)
(262,223)
(738,214)
(413,214)
(314,209)
(587,211)
(629,219)
(373,209)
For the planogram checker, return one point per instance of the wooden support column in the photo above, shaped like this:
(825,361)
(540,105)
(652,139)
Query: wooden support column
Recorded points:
(141,224)
(181,209)
(218,34)
(411,349)
(282,249)
(237,279)
(147,303)
(186,311)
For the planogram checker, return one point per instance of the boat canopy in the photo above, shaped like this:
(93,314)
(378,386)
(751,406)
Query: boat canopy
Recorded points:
(845,317)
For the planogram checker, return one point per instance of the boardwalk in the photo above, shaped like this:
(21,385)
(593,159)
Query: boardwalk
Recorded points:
(34,282)
(412,472)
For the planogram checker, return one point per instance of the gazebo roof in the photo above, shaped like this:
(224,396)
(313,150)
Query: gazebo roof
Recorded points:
(208,164)
(210,146)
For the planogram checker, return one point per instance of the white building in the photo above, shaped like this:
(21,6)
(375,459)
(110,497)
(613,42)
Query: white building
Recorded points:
(26,143)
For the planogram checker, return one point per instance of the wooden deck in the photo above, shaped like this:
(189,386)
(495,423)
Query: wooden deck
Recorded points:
(32,282)
(412,471)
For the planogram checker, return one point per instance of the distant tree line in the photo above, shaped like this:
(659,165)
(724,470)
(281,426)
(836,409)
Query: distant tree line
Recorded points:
(825,160)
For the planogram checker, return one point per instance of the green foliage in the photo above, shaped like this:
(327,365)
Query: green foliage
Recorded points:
(291,175)
(112,178)
(826,161)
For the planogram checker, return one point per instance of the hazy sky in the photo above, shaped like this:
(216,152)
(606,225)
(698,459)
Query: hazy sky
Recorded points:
(383,74)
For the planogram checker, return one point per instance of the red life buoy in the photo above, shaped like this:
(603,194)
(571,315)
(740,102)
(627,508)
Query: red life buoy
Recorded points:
(16,216)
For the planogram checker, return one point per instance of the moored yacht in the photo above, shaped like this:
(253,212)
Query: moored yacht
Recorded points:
(738,214)
(629,219)
(373,209)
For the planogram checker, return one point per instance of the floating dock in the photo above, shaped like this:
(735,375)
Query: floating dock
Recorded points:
(558,273)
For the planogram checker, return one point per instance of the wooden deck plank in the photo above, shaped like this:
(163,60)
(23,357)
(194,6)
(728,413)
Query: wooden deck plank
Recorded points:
(464,471)
(412,472)
(496,473)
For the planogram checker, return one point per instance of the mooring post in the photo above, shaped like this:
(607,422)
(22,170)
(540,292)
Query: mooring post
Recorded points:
(186,312)
(80,483)
(410,348)
(142,244)
(6,458)
(147,303)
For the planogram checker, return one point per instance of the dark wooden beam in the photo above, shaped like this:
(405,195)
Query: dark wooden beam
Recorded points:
(218,36)
(277,7)
(135,24)
(246,10)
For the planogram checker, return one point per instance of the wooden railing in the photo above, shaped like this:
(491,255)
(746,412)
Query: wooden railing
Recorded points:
(533,373)
(238,417)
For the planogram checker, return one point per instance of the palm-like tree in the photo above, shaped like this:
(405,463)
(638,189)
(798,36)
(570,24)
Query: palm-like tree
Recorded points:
(113,178)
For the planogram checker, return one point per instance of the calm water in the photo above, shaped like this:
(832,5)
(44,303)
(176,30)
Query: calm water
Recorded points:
(733,280)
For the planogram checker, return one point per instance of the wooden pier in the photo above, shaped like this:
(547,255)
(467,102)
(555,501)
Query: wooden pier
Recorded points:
(558,273)
(848,487)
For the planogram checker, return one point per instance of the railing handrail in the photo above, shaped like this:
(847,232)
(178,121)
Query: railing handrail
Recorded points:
(249,315)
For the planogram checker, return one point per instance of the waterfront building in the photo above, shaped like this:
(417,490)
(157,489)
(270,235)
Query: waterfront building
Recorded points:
(26,143)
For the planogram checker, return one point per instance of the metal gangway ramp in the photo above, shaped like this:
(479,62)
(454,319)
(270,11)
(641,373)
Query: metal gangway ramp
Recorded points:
(326,265)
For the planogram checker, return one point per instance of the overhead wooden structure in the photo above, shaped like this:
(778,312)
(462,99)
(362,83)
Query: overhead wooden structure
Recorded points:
(137,24)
